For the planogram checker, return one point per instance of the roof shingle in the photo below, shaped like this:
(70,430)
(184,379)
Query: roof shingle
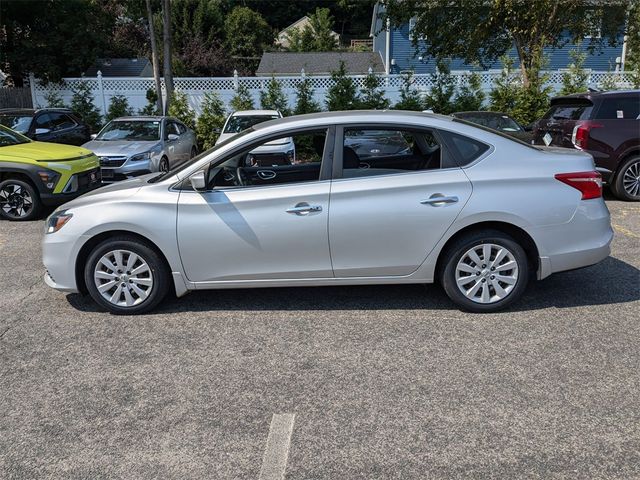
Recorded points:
(318,63)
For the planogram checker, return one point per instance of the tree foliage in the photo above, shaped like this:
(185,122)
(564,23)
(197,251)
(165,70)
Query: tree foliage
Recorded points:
(242,100)
(304,99)
(151,108)
(82,102)
(470,96)
(247,33)
(118,107)
(575,80)
(410,98)
(211,119)
(342,94)
(316,36)
(54,100)
(180,109)
(372,96)
(273,98)
(440,97)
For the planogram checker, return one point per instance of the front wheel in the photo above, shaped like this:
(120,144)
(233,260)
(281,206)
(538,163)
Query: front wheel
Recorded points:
(485,271)
(164,165)
(194,152)
(126,276)
(19,200)
(626,185)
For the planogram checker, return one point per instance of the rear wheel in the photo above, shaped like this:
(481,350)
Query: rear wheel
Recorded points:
(19,200)
(485,271)
(126,276)
(626,185)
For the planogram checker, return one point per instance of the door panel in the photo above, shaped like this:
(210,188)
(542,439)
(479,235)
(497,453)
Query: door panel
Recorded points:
(379,227)
(247,233)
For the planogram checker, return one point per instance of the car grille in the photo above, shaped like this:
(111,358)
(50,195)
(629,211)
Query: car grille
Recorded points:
(112,162)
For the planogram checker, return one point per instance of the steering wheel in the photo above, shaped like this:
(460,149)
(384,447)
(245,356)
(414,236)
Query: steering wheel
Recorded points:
(241,177)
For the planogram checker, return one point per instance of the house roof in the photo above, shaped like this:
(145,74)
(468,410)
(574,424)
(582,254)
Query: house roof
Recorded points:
(318,63)
(121,67)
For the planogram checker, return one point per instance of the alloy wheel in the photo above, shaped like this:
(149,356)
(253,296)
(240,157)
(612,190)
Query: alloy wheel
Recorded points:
(15,200)
(631,179)
(123,278)
(487,273)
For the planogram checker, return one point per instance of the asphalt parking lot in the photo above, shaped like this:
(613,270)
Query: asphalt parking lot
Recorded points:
(366,382)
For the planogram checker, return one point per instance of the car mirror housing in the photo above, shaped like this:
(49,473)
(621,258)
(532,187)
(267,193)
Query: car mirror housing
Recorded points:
(198,181)
(40,131)
(93,136)
(172,136)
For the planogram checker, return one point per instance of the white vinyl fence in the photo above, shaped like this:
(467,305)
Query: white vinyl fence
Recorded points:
(135,88)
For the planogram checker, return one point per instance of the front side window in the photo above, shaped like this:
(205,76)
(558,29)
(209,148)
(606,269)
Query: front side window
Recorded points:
(373,151)
(281,160)
(133,130)
(60,121)
(238,123)
(19,123)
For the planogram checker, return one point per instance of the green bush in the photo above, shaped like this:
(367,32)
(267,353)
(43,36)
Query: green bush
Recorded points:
(439,99)
(575,80)
(470,96)
(180,109)
(505,89)
(372,96)
(304,99)
(211,118)
(82,104)
(54,100)
(342,95)
(242,100)
(118,107)
(273,98)
(151,108)
(410,98)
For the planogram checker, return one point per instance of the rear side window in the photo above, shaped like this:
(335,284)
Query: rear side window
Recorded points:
(465,149)
(627,108)
(569,111)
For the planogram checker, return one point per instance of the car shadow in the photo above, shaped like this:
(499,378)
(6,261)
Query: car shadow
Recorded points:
(611,281)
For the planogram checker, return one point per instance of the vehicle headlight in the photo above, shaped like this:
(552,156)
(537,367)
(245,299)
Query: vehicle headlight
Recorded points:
(141,156)
(49,178)
(57,220)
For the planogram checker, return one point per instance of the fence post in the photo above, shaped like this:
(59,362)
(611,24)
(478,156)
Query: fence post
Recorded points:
(32,87)
(235,80)
(101,89)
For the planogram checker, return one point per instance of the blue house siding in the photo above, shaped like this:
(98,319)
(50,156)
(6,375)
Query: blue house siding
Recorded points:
(404,56)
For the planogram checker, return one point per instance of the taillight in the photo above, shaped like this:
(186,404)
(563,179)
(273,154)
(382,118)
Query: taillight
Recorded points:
(589,183)
(580,135)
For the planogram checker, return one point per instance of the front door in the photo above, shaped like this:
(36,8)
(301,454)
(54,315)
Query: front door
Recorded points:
(261,223)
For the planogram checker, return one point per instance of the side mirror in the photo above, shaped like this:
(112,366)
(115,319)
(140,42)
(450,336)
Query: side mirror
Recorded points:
(93,136)
(40,131)
(530,127)
(217,130)
(172,136)
(198,181)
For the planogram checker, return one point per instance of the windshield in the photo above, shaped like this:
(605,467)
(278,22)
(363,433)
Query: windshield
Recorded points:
(8,137)
(238,123)
(130,130)
(17,122)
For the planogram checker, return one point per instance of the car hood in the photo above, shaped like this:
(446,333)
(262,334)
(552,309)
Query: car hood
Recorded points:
(112,192)
(43,152)
(120,147)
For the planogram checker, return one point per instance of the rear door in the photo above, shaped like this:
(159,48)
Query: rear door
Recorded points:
(388,213)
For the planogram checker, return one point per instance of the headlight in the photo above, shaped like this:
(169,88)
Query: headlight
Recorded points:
(57,220)
(49,178)
(141,156)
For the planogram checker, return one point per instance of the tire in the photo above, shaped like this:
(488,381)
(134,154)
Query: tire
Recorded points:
(153,280)
(626,185)
(19,201)
(163,166)
(499,294)
(194,152)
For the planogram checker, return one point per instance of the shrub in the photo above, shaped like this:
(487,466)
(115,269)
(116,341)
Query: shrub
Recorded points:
(439,98)
(242,99)
(273,98)
(304,99)
(410,98)
(504,93)
(608,83)
(151,108)
(82,104)
(118,107)
(181,110)
(342,95)
(54,100)
(211,118)
(575,80)
(470,96)
(372,96)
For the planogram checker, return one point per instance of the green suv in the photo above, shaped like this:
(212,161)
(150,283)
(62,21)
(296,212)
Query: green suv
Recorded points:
(33,174)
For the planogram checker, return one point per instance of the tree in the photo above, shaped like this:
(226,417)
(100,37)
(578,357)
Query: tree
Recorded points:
(247,33)
(304,99)
(166,39)
(505,88)
(54,100)
(482,31)
(118,107)
(82,103)
(273,98)
(372,96)
(316,36)
(180,109)
(470,96)
(210,120)
(342,94)
(151,108)
(155,60)
(410,98)
(439,99)
(242,100)
(575,80)
(632,65)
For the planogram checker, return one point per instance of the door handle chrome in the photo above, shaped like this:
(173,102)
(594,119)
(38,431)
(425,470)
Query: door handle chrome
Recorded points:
(304,209)
(438,200)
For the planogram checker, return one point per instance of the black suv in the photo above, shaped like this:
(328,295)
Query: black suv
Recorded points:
(58,125)
(603,124)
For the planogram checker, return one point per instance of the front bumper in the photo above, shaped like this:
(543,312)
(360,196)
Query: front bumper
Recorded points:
(128,169)
(86,182)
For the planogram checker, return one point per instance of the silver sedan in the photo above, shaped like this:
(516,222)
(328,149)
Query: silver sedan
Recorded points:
(472,209)
(132,146)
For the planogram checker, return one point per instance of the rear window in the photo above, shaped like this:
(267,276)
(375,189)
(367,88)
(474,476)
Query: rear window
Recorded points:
(627,108)
(570,110)
(465,149)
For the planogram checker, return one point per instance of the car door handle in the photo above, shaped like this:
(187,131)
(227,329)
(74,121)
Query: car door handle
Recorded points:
(438,200)
(304,209)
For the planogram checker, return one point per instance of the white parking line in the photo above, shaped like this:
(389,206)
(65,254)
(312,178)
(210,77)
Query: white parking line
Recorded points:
(274,462)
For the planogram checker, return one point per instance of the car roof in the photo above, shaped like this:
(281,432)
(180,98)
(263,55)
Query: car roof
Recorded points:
(596,95)
(32,111)
(246,113)
(144,117)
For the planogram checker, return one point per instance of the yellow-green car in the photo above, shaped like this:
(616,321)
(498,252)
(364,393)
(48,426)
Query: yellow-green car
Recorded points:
(33,174)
